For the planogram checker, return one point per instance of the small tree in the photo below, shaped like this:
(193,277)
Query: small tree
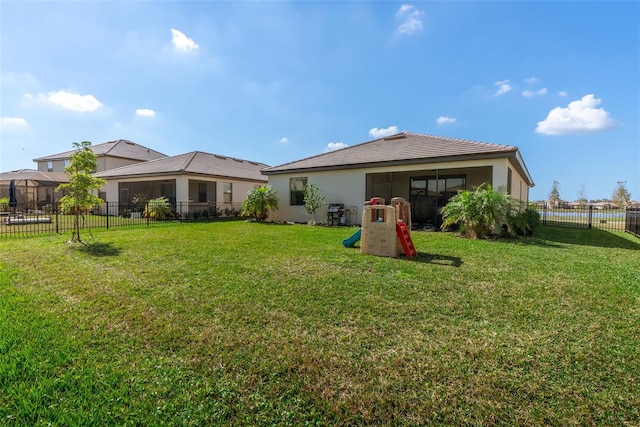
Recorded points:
(621,196)
(554,195)
(582,196)
(259,202)
(80,197)
(313,200)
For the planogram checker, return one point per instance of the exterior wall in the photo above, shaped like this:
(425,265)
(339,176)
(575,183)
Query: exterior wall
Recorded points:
(519,187)
(349,186)
(58,166)
(107,163)
(239,190)
(103,163)
(346,187)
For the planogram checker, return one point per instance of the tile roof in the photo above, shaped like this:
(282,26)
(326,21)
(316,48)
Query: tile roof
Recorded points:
(401,148)
(195,162)
(35,176)
(119,148)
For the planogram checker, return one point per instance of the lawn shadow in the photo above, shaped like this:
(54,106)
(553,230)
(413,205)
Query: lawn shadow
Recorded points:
(557,236)
(444,260)
(99,249)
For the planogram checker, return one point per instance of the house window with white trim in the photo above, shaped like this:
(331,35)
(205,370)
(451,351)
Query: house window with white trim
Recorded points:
(49,166)
(227,192)
(296,187)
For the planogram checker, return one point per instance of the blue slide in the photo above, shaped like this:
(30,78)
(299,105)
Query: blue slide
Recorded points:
(350,241)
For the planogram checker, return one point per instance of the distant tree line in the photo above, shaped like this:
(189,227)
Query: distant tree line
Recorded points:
(621,197)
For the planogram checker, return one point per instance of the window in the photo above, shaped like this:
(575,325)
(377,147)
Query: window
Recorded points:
(296,186)
(509,180)
(49,166)
(226,192)
(66,162)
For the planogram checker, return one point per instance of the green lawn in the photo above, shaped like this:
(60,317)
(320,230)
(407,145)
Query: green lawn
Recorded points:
(237,323)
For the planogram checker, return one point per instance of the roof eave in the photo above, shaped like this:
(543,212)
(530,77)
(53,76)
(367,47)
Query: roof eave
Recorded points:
(368,165)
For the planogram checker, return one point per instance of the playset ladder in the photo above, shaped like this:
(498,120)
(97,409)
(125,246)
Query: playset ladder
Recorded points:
(405,239)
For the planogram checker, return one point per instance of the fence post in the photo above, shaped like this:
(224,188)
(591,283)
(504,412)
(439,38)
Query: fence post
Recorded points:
(590,215)
(56,206)
(107,212)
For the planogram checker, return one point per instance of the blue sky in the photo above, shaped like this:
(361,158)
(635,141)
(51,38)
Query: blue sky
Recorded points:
(278,81)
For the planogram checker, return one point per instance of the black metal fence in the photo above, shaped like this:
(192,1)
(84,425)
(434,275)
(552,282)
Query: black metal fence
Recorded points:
(21,221)
(611,219)
(632,223)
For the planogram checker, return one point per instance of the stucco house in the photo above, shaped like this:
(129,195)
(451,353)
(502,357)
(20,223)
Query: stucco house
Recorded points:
(425,170)
(191,181)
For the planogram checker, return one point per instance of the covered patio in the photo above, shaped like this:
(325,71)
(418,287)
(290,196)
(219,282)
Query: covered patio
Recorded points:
(33,189)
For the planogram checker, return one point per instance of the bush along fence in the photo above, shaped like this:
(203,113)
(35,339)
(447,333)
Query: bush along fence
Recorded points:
(22,221)
(611,219)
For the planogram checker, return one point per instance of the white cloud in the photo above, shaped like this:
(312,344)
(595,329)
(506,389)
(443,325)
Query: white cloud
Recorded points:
(444,120)
(579,116)
(503,87)
(333,146)
(411,20)
(72,101)
(531,80)
(531,93)
(562,93)
(380,133)
(182,43)
(284,140)
(404,9)
(14,122)
(145,112)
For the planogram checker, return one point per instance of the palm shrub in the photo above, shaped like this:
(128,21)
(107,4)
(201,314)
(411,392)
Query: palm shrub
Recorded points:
(479,212)
(158,208)
(259,202)
(523,222)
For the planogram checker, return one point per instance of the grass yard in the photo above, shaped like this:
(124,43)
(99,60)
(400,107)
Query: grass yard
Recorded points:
(236,323)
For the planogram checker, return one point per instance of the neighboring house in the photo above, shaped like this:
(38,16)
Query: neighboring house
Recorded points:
(190,181)
(110,155)
(36,188)
(425,170)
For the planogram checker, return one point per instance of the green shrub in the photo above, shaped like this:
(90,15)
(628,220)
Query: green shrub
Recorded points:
(524,222)
(259,202)
(4,204)
(478,212)
(159,208)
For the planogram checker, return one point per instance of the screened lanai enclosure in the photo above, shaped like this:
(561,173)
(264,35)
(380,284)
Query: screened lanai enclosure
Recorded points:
(34,190)
(428,191)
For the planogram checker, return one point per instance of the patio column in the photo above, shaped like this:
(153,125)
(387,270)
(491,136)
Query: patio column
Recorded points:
(499,174)
(182,189)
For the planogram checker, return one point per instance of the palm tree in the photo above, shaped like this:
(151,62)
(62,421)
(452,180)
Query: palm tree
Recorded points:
(478,211)
(259,202)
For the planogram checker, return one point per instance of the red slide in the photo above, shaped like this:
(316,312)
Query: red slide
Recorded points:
(405,239)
